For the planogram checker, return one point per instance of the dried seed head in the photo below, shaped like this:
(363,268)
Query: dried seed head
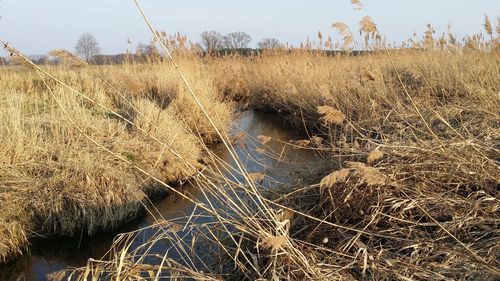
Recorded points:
(264,139)
(498,25)
(331,115)
(357,5)
(317,141)
(487,25)
(340,26)
(429,36)
(374,156)
(256,177)
(284,216)
(274,242)
(368,175)
(260,150)
(67,58)
(346,34)
(333,178)
(303,143)
(367,25)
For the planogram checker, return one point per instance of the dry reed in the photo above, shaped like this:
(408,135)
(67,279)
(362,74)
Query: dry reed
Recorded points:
(413,135)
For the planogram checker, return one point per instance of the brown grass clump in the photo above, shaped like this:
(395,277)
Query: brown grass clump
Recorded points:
(13,233)
(55,178)
(350,191)
(160,83)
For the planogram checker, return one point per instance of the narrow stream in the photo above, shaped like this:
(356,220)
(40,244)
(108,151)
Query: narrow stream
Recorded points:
(53,254)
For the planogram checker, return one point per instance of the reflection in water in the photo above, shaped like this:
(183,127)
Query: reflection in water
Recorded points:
(280,164)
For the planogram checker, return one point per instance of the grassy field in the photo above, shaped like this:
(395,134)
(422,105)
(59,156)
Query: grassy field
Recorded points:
(414,134)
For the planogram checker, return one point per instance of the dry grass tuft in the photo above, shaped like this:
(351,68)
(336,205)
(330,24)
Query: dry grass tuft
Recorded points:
(366,174)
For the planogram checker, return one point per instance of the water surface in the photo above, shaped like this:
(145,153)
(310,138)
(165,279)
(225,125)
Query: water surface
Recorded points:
(53,254)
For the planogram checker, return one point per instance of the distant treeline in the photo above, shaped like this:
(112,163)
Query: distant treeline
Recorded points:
(142,58)
(251,52)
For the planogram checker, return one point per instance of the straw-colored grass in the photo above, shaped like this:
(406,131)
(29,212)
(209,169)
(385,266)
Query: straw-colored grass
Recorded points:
(54,180)
(425,125)
(413,134)
(414,137)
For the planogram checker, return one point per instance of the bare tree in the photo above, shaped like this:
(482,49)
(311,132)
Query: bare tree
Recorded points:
(212,41)
(147,49)
(87,46)
(237,40)
(269,43)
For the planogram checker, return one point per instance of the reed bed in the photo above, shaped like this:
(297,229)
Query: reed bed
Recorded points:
(415,134)
(412,135)
(414,193)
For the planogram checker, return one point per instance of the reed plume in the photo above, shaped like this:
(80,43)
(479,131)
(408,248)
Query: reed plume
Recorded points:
(357,5)
(367,25)
(331,115)
(67,58)
(345,32)
(487,25)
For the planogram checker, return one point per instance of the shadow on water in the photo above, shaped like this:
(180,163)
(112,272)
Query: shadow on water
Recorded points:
(281,165)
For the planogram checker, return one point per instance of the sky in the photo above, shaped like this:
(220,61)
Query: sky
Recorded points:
(36,26)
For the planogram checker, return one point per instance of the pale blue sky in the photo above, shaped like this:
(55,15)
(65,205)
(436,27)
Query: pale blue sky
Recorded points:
(37,26)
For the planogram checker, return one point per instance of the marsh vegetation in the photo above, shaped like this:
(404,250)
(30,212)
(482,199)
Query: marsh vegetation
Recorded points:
(405,184)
